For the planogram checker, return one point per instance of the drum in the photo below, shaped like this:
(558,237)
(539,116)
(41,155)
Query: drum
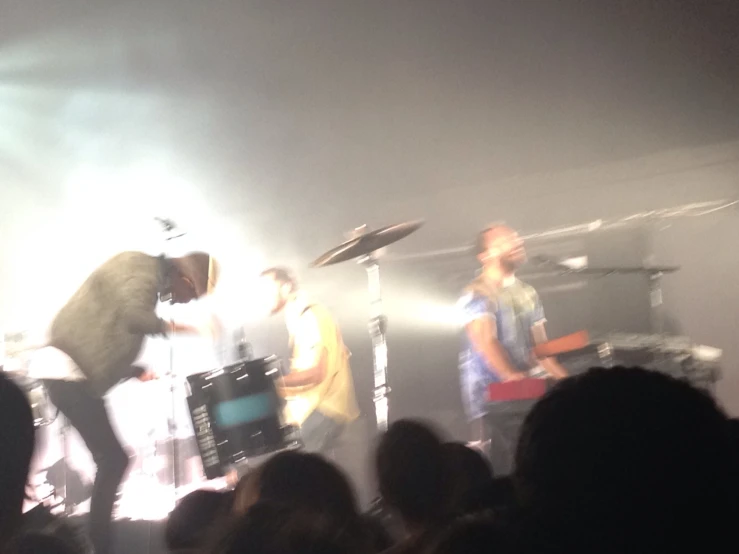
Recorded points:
(236,414)
(43,412)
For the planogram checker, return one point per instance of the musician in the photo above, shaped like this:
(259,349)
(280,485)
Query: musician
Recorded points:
(93,343)
(318,388)
(503,321)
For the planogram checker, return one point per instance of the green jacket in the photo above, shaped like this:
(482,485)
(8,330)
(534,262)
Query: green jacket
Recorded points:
(103,326)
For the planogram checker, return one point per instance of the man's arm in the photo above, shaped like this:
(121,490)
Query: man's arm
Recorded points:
(306,377)
(308,367)
(550,365)
(483,335)
(138,296)
(145,324)
(182,328)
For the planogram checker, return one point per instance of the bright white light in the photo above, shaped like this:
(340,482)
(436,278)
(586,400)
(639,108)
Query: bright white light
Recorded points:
(416,310)
(442,315)
(145,498)
(123,202)
(238,298)
(579,262)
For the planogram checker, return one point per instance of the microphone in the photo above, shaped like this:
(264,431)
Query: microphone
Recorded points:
(167,224)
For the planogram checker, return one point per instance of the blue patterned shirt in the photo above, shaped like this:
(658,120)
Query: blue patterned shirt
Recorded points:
(515,309)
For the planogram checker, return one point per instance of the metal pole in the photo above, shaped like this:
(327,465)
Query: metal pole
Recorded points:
(171,232)
(173,422)
(377,328)
(656,303)
(64,429)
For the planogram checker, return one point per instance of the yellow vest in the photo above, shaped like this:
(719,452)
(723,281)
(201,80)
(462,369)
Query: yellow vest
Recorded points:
(334,396)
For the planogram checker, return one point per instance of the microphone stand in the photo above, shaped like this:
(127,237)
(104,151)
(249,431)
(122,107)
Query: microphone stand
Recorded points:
(171,233)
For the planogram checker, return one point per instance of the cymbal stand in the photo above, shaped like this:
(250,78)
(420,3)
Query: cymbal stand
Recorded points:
(172,232)
(64,431)
(377,330)
(657,316)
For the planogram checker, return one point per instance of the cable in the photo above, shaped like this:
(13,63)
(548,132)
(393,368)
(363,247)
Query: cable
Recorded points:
(696,209)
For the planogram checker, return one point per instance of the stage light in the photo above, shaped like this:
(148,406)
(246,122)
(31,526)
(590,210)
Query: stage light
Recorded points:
(144,497)
(416,310)
(440,315)
(238,299)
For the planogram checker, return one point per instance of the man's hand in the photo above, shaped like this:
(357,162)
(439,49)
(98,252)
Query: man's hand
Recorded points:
(553,368)
(146,375)
(183,329)
(517,376)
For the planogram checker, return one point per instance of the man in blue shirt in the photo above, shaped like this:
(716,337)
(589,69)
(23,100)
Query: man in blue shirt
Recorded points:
(503,321)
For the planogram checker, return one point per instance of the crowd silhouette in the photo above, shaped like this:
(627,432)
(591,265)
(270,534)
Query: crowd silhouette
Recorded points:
(612,461)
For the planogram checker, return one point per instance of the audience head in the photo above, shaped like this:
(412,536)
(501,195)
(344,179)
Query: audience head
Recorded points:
(413,475)
(246,493)
(734,433)
(191,523)
(42,543)
(378,536)
(16,449)
(269,528)
(627,459)
(473,535)
(497,495)
(469,470)
(307,481)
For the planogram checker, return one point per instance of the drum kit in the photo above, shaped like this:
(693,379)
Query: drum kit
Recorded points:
(15,352)
(236,411)
(14,356)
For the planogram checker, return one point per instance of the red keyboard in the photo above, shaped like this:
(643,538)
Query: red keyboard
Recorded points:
(524,389)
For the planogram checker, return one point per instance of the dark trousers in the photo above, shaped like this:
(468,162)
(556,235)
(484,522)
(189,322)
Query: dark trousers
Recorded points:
(87,413)
(320,433)
(498,432)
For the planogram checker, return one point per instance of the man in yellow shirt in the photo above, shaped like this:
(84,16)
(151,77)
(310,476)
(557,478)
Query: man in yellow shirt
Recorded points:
(319,388)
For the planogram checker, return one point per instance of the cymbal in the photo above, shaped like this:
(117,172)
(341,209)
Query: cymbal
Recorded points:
(364,245)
